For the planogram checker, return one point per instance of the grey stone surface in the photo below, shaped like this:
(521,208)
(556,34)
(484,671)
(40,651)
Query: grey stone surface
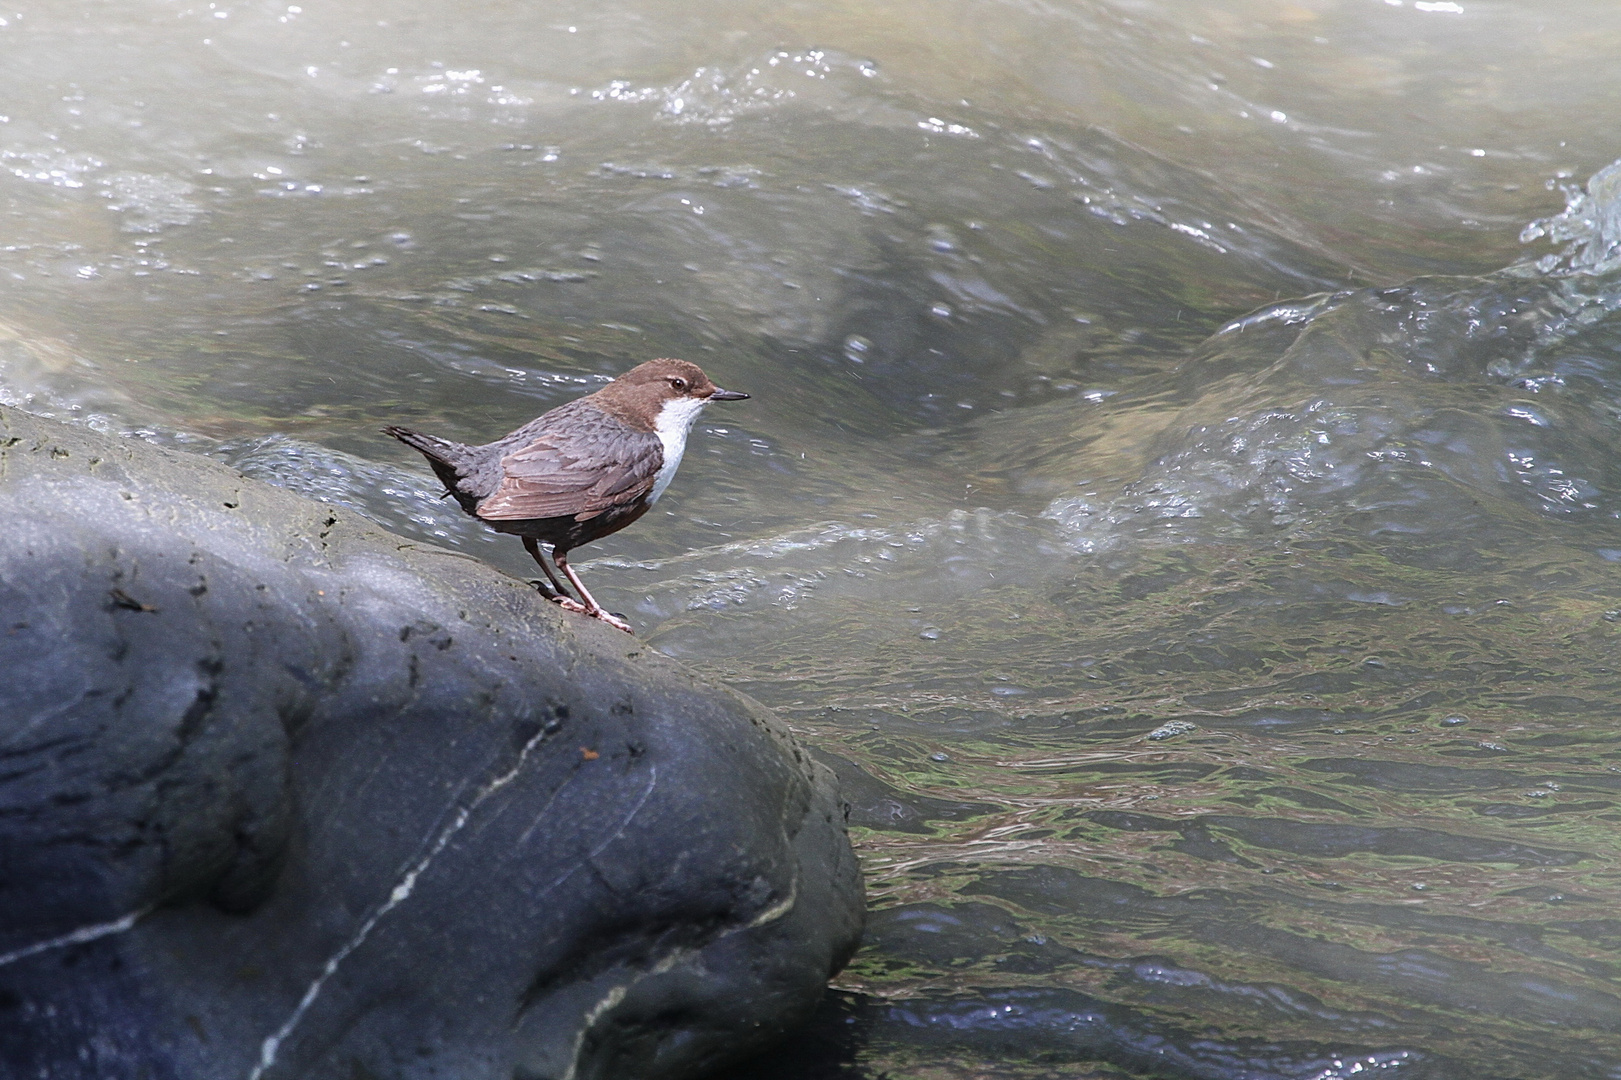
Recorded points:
(284,795)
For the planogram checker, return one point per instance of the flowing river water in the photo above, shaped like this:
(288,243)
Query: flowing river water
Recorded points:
(1176,497)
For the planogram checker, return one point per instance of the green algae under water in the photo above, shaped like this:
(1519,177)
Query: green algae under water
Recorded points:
(1340,793)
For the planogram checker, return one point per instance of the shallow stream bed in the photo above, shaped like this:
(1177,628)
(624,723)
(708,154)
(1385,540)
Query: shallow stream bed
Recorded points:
(1175,496)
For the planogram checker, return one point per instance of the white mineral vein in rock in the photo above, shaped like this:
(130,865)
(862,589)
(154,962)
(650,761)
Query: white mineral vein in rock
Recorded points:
(75,937)
(670,960)
(401,892)
(779,909)
(613,997)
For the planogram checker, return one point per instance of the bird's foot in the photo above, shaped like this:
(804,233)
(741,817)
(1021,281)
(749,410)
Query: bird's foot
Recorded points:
(612,620)
(568,603)
(545,590)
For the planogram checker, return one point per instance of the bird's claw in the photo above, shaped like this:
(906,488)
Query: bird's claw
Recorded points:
(570,604)
(615,621)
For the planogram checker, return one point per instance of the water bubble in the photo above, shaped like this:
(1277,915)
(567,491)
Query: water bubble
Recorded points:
(856,348)
(941,238)
(1526,413)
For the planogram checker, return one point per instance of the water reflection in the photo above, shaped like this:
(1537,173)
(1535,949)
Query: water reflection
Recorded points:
(1218,695)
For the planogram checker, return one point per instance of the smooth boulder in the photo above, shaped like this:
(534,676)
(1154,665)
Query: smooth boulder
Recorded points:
(285,795)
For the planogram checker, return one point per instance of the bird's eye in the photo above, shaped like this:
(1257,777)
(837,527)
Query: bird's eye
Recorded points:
(679,384)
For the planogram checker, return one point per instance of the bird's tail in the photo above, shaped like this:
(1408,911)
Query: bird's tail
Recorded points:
(451,461)
(438,451)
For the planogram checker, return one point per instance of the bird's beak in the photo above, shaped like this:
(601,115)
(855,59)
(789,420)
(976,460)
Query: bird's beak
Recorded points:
(727,395)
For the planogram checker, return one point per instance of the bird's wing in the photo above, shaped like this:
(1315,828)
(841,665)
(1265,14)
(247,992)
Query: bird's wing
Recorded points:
(579,470)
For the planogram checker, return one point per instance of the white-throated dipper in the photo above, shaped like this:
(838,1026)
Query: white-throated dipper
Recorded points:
(581,471)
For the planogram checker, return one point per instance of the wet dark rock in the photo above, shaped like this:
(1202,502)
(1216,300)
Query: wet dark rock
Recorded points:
(1196,837)
(1332,841)
(942,935)
(1335,841)
(1406,776)
(283,795)
(1433,985)
(1058,1032)
(1311,800)
(825,1048)
(1521,811)
(877,805)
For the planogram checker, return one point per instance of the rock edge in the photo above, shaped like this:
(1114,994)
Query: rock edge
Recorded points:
(285,795)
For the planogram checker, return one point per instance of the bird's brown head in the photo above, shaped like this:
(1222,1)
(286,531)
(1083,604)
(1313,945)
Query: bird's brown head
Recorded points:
(642,394)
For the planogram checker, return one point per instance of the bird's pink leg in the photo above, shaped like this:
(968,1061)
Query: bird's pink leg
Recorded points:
(557,594)
(592,608)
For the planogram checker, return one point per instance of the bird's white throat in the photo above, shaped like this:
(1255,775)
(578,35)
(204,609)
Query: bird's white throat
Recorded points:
(674,421)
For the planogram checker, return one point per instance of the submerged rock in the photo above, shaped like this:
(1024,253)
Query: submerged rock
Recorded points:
(284,795)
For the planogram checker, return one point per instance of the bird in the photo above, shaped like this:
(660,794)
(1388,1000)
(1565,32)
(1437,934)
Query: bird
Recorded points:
(585,469)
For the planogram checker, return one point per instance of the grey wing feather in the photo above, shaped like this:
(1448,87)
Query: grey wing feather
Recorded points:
(580,469)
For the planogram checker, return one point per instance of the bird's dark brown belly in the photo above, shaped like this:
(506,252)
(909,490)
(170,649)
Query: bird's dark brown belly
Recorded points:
(565,534)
